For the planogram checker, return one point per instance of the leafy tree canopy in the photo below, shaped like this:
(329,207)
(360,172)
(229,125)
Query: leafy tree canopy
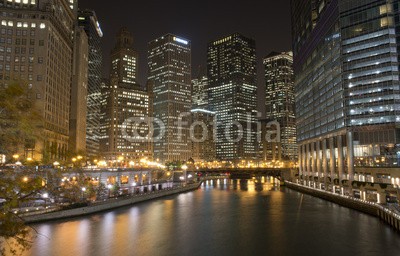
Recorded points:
(19,119)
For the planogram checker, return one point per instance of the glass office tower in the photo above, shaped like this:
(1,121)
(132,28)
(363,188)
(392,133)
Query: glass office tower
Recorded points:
(347,90)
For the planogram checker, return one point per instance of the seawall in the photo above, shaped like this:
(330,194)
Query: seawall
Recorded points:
(106,205)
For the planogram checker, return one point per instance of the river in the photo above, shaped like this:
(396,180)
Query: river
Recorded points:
(224,217)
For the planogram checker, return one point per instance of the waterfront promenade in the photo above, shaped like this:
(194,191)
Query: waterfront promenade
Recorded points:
(109,204)
(383,212)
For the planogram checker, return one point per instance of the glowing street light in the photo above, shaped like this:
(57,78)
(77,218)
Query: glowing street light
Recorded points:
(109,186)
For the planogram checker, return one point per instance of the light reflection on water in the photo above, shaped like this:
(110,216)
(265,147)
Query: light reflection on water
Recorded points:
(225,217)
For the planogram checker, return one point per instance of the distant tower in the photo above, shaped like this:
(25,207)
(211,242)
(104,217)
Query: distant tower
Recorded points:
(88,20)
(280,105)
(124,60)
(126,107)
(231,72)
(169,61)
(200,90)
(202,142)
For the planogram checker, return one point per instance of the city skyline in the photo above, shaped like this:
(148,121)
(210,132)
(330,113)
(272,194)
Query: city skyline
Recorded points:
(268,23)
(225,115)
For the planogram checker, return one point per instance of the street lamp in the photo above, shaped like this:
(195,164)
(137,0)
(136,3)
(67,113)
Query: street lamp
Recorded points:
(109,186)
(184,168)
(45,196)
(83,192)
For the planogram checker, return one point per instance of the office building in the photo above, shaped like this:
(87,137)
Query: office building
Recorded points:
(126,106)
(202,135)
(79,91)
(231,72)
(36,47)
(280,106)
(200,90)
(347,93)
(87,19)
(169,63)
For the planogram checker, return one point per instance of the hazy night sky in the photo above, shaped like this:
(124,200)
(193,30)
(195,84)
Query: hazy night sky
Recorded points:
(267,21)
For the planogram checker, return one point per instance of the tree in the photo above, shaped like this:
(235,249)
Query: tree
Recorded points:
(101,191)
(16,187)
(19,119)
(19,130)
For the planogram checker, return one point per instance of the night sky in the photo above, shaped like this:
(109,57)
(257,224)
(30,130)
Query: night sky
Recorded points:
(266,21)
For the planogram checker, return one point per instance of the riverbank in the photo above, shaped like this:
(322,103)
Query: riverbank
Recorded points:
(106,205)
(374,209)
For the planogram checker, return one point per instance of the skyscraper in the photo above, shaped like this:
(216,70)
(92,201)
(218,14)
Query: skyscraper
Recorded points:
(169,62)
(202,135)
(347,90)
(126,106)
(280,105)
(231,72)
(79,90)
(200,90)
(88,20)
(36,47)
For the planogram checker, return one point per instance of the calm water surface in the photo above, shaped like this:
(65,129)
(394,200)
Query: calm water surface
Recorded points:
(224,217)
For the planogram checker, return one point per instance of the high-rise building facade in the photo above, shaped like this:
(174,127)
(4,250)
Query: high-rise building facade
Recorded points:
(88,20)
(347,90)
(79,91)
(231,72)
(126,106)
(202,135)
(280,106)
(169,63)
(200,90)
(36,47)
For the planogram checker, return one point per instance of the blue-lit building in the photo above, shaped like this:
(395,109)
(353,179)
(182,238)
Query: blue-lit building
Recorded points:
(346,63)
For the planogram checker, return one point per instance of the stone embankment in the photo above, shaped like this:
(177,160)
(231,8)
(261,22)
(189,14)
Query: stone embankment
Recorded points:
(384,213)
(106,205)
